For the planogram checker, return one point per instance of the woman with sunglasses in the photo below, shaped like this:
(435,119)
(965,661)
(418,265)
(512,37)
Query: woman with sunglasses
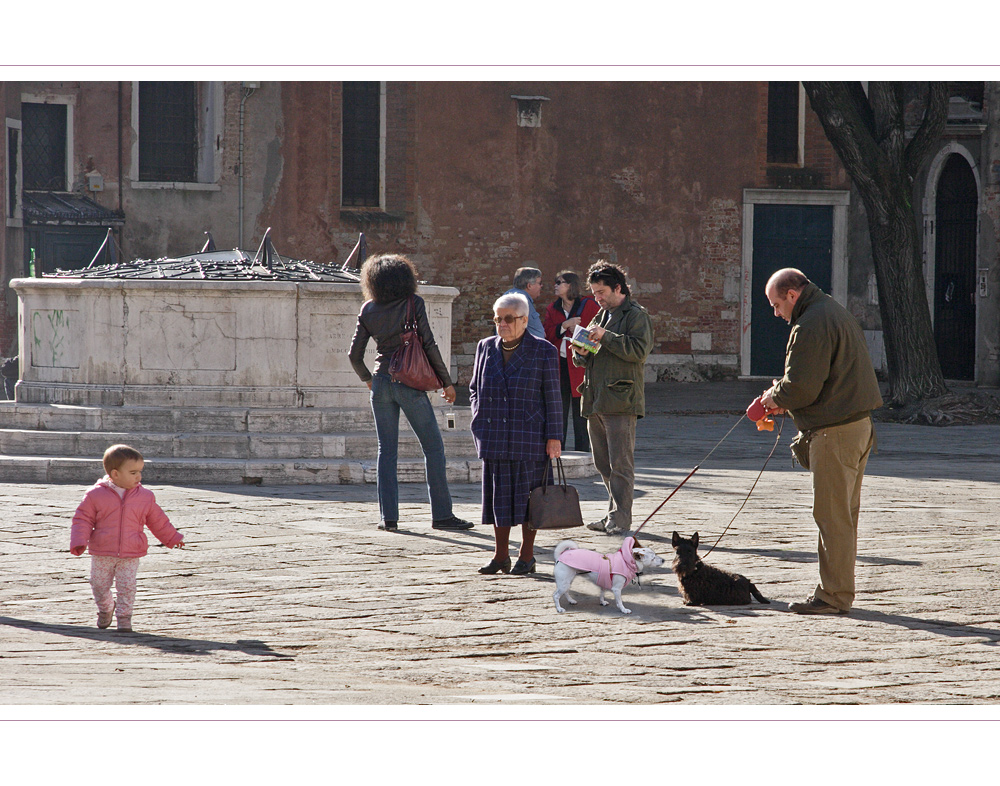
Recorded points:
(570,308)
(516,423)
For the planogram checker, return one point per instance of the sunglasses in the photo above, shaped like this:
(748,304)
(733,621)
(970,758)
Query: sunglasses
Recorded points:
(508,319)
(559,281)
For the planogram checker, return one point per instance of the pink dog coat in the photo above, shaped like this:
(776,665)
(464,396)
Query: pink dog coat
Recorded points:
(604,565)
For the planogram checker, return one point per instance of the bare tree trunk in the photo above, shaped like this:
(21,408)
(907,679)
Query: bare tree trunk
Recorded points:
(868,133)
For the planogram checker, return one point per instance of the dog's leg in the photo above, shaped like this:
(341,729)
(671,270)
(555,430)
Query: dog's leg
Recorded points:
(562,585)
(601,598)
(564,576)
(617,585)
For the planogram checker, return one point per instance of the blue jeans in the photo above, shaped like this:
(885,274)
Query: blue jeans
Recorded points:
(388,398)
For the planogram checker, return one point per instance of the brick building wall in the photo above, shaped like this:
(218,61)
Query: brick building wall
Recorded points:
(646,174)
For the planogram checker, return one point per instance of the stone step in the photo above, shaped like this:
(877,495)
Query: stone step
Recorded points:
(209,472)
(307,420)
(224,445)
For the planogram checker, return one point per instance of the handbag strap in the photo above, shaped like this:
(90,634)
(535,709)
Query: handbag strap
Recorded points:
(411,318)
(559,469)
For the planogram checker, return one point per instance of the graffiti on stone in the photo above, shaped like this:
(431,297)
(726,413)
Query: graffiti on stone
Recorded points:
(52,344)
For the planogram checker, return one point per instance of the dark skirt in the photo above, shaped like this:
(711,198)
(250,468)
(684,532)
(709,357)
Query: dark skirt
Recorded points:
(506,485)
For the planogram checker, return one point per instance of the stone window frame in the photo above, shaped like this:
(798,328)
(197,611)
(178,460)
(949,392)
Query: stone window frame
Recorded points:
(13,178)
(70,103)
(210,112)
(840,202)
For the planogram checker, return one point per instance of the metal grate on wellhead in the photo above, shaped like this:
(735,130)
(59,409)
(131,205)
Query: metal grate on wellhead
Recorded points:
(213,265)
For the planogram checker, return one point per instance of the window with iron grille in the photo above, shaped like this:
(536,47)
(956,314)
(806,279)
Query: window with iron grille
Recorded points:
(168,132)
(783,122)
(43,155)
(361,144)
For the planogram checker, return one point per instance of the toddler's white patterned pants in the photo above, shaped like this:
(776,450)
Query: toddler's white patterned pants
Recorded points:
(122,572)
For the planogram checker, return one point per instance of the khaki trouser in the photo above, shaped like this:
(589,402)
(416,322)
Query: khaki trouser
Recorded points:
(837,459)
(612,441)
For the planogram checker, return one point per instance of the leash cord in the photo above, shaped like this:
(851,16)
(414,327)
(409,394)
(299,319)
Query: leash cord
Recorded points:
(678,487)
(777,437)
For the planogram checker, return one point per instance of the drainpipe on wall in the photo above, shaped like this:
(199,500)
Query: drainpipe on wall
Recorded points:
(248,90)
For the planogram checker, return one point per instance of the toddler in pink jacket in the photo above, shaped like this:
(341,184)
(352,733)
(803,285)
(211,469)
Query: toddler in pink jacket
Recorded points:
(110,523)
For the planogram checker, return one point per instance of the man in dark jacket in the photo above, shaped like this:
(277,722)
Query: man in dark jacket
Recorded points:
(613,398)
(829,388)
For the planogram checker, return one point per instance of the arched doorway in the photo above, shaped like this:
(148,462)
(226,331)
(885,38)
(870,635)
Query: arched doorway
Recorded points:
(957,204)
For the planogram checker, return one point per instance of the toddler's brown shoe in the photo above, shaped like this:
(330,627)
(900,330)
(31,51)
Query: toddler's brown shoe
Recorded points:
(104,618)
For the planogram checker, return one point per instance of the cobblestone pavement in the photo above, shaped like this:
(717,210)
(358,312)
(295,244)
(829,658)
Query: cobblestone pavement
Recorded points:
(291,595)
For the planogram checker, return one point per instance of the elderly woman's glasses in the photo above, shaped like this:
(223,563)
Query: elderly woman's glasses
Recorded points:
(507,318)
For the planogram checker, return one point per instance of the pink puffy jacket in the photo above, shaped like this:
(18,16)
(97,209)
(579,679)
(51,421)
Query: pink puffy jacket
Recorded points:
(112,526)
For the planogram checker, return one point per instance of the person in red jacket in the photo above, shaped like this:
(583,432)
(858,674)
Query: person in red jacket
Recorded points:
(570,308)
(110,524)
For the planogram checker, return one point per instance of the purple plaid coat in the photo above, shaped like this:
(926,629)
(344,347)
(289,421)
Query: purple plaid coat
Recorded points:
(518,407)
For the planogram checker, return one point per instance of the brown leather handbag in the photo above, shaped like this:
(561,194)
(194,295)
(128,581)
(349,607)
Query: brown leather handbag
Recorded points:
(409,364)
(556,506)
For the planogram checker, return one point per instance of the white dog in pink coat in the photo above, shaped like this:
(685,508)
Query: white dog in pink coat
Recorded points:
(608,571)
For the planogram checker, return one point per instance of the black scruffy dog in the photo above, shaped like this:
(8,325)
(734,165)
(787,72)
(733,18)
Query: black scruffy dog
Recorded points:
(703,585)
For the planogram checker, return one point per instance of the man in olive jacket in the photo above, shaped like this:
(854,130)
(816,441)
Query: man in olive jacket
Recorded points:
(613,398)
(829,388)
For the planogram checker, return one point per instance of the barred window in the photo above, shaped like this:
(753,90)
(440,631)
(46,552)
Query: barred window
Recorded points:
(168,131)
(43,152)
(361,144)
(783,122)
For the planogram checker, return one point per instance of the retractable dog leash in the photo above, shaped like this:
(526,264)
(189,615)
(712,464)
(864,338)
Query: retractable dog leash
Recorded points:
(756,413)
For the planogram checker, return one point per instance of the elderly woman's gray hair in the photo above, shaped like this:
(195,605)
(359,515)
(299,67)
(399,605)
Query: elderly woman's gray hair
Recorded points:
(519,303)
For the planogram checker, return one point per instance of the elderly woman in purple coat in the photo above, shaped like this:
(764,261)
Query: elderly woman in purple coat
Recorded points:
(517,425)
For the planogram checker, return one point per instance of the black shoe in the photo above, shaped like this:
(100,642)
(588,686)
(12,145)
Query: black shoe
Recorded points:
(522,568)
(453,523)
(497,567)
(389,526)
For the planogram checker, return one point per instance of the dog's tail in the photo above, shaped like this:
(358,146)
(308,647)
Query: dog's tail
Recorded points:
(564,545)
(756,593)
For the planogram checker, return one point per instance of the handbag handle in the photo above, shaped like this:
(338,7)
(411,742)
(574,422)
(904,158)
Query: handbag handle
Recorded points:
(559,469)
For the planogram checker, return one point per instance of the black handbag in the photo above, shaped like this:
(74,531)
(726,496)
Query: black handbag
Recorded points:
(556,506)
(409,364)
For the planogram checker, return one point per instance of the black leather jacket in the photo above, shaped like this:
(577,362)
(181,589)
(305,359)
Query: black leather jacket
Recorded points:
(384,323)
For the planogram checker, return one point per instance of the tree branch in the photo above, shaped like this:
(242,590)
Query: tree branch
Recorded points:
(931,127)
(851,127)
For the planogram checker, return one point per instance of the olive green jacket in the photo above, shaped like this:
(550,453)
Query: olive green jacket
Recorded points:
(613,378)
(829,378)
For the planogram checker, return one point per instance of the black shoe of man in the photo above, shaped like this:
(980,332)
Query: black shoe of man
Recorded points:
(454,523)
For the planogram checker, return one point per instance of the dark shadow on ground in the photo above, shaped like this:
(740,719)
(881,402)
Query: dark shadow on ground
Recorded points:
(779,554)
(252,647)
(939,627)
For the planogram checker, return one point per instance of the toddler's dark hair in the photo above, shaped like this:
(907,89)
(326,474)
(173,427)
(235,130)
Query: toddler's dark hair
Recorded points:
(117,455)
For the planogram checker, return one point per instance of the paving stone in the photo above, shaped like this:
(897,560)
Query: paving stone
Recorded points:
(289,594)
